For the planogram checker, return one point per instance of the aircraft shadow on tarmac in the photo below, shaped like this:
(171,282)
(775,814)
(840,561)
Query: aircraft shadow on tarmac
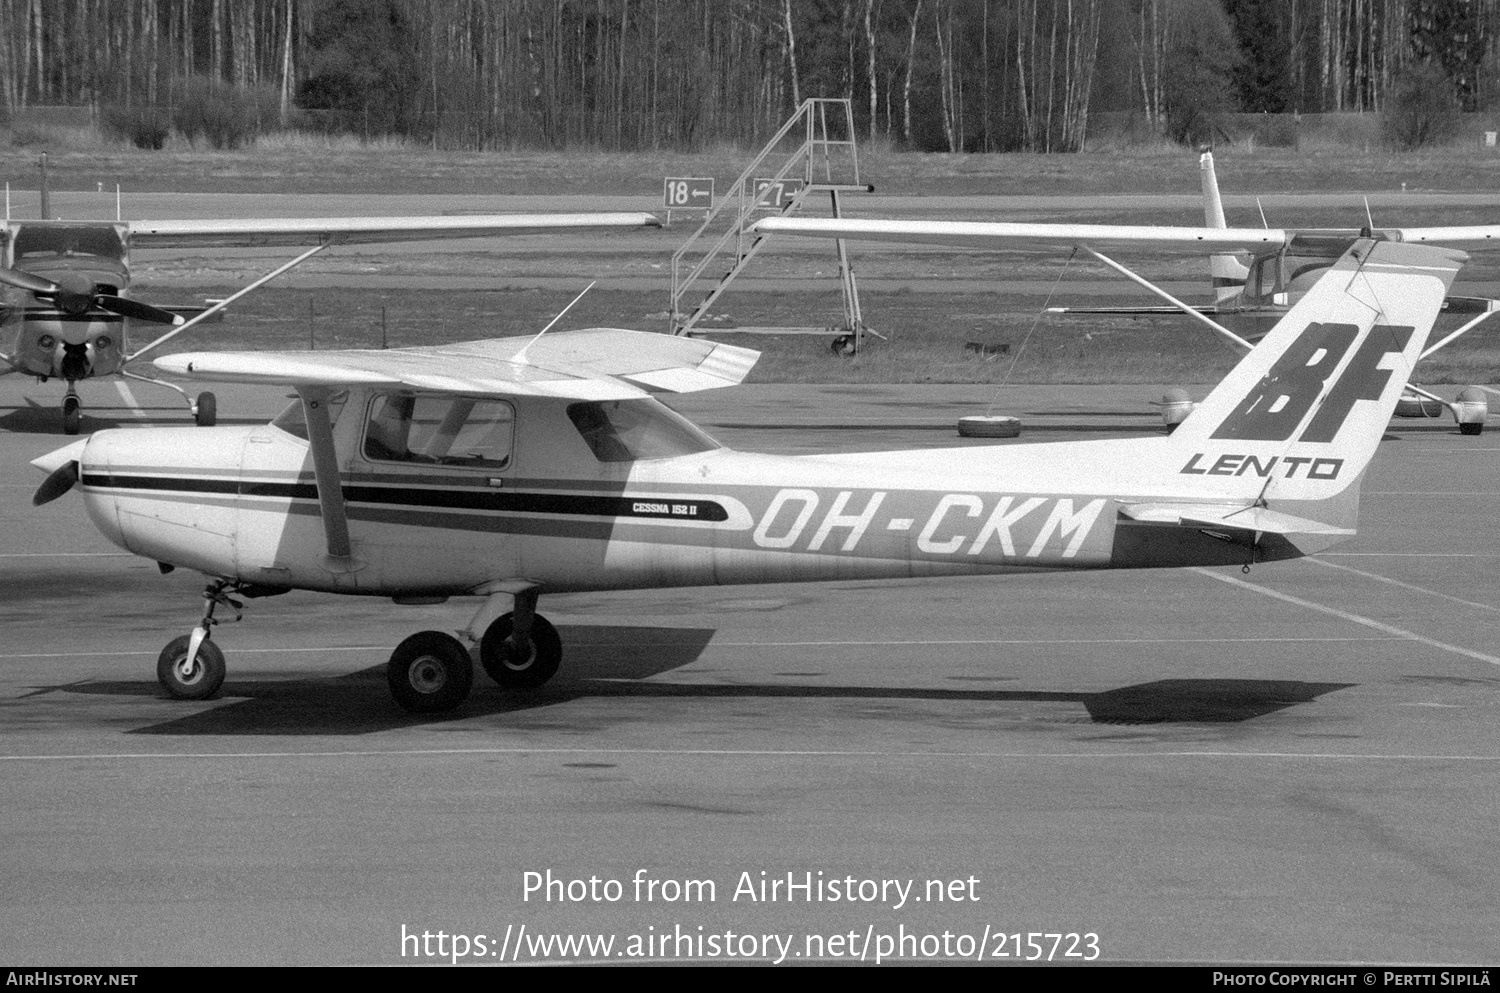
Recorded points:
(615,662)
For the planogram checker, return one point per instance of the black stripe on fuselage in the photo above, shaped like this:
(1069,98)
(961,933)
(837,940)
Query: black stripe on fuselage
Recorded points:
(582,505)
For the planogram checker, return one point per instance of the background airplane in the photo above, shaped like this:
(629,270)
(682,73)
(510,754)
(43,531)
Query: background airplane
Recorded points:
(63,283)
(504,469)
(1252,292)
(1303,256)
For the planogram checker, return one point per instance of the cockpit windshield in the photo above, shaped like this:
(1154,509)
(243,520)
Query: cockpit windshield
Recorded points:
(629,430)
(56,241)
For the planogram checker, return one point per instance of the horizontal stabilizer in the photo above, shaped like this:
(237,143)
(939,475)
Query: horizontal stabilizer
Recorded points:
(1244,518)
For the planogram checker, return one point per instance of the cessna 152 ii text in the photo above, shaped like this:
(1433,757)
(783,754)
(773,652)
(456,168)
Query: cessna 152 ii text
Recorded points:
(507,468)
(62,282)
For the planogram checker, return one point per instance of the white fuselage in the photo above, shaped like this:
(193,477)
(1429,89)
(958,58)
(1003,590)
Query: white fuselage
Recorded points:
(242,504)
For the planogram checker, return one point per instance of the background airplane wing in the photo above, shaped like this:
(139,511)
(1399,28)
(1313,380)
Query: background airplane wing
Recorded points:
(594,364)
(291,231)
(1480,236)
(1000,235)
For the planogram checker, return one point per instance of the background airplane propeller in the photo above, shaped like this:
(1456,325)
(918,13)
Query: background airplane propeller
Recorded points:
(81,298)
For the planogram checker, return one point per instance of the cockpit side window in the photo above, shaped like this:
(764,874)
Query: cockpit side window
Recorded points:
(628,430)
(440,430)
(292,421)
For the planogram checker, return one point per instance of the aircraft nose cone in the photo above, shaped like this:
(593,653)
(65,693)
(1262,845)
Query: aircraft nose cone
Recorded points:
(76,304)
(60,456)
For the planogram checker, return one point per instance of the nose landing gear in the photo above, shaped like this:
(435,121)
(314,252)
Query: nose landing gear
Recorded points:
(191,667)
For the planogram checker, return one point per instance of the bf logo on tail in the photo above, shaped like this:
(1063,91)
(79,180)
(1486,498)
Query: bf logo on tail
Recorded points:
(1276,405)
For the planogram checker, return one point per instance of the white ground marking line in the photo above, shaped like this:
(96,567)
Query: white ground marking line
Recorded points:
(1409,555)
(1346,615)
(66,555)
(1405,586)
(238,651)
(746,644)
(1433,493)
(754,752)
(129,398)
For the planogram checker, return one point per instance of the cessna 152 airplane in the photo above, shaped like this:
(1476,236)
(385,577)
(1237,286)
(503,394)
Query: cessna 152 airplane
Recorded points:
(506,468)
(70,317)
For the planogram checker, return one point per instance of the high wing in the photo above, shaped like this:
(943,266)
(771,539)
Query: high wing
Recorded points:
(1186,240)
(291,231)
(1000,235)
(592,364)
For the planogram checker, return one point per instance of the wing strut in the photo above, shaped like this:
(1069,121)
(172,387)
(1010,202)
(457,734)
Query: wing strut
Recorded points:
(229,300)
(1215,325)
(326,469)
(1471,325)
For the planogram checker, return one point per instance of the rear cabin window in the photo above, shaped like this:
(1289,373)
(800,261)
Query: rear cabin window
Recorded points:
(630,430)
(452,431)
(292,421)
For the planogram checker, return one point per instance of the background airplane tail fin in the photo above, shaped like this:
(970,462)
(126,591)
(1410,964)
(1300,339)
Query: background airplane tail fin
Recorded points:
(1300,417)
(1226,271)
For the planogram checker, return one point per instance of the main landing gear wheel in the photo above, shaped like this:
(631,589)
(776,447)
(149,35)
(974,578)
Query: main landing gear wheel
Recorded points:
(206,410)
(430,672)
(1471,429)
(514,669)
(199,681)
(72,412)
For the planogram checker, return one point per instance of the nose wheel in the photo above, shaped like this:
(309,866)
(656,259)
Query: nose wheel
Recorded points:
(191,667)
(191,678)
(72,412)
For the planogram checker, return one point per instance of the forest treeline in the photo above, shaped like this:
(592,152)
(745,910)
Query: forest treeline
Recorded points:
(974,75)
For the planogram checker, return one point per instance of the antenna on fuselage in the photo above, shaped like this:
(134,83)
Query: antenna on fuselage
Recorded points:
(1369,217)
(117,202)
(1263,222)
(521,355)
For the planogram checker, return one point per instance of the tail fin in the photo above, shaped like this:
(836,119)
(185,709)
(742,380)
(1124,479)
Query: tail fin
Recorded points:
(1227,272)
(1299,418)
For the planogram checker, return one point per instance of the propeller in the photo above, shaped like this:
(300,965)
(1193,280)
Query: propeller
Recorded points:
(81,298)
(59,481)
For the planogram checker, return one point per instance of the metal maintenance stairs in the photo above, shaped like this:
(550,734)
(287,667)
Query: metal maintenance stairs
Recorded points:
(834,157)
